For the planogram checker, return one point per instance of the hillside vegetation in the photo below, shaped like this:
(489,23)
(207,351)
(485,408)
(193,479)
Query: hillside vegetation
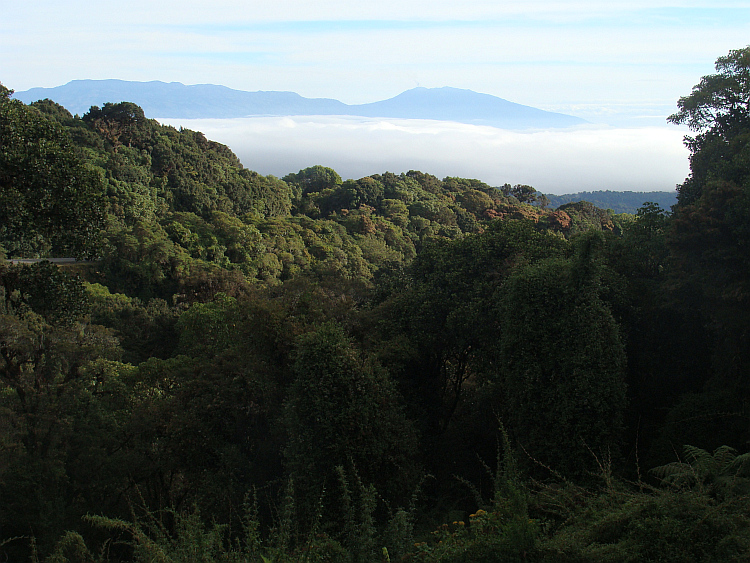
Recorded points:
(393,368)
(619,202)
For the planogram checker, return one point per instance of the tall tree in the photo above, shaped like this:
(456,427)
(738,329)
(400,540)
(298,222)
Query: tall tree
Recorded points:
(440,322)
(343,410)
(711,228)
(718,110)
(562,363)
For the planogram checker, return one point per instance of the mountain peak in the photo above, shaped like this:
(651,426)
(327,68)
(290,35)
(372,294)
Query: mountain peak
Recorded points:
(176,100)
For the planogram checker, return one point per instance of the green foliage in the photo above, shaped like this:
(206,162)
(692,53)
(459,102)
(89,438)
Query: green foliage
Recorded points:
(47,290)
(344,411)
(191,540)
(442,319)
(587,216)
(561,382)
(143,261)
(314,179)
(43,386)
(498,531)
(711,226)
(723,474)
(244,333)
(50,201)
(718,102)
(144,330)
(621,525)
(208,329)
(522,192)
(646,236)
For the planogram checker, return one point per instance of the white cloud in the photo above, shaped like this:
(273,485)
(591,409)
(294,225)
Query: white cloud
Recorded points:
(559,161)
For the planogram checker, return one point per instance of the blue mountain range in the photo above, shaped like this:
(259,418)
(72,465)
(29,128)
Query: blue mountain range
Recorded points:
(176,100)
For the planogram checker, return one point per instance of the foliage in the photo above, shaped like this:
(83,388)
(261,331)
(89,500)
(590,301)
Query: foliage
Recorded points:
(723,474)
(339,352)
(314,179)
(344,411)
(45,289)
(50,201)
(710,228)
(207,329)
(718,102)
(561,381)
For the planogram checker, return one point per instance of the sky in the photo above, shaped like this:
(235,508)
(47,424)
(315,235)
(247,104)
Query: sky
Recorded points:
(622,65)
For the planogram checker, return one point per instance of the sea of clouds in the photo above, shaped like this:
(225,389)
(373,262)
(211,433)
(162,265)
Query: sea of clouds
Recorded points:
(552,161)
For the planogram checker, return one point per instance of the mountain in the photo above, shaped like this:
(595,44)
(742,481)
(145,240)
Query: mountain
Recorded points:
(464,106)
(619,202)
(173,99)
(176,100)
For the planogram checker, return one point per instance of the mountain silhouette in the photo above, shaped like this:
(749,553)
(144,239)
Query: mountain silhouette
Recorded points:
(464,106)
(176,100)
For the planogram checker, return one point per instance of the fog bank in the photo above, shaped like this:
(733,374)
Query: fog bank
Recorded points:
(553,161)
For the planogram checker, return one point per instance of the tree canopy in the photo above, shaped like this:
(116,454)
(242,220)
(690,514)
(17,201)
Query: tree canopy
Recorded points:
(50,201)
(318,369)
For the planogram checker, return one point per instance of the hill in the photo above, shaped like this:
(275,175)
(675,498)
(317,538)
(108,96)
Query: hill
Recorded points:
(619,202)
(176,100)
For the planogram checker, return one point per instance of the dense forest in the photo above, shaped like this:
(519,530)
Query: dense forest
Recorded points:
(396,368)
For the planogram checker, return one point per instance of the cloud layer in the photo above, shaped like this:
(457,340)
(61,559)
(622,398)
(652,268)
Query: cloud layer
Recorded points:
(609,62)
(559,161)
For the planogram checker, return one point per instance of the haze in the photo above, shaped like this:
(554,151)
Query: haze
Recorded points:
(556,161)
(620,65)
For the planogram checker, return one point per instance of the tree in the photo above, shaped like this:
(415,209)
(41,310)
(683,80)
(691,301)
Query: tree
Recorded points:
(719,102)
(208,329)
(522,192)
(50,202)
(561,382)
(314,179)
(121,123)
(43,375)
(440,322)
(47,290)
(343,410)
(718,110)
(711,228)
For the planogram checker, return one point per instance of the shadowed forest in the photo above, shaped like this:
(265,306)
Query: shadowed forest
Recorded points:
(396,368)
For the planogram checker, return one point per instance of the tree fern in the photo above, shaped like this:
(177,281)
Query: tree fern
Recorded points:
(722,474)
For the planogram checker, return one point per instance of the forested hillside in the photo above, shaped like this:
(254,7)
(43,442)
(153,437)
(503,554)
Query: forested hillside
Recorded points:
(393,368)
(619,202)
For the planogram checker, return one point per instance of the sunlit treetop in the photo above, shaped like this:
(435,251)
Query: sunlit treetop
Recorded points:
(721,101)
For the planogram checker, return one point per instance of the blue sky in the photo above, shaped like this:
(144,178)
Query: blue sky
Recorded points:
(614,61)
(621,64)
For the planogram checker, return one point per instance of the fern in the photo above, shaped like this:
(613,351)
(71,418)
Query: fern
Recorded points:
(722,474)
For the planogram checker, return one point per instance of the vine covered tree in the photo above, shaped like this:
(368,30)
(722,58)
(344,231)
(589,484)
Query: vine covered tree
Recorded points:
(344,410)
(562,376)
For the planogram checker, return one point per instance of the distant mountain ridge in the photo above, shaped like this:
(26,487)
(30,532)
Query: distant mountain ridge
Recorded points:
(619,202)
(176,100)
